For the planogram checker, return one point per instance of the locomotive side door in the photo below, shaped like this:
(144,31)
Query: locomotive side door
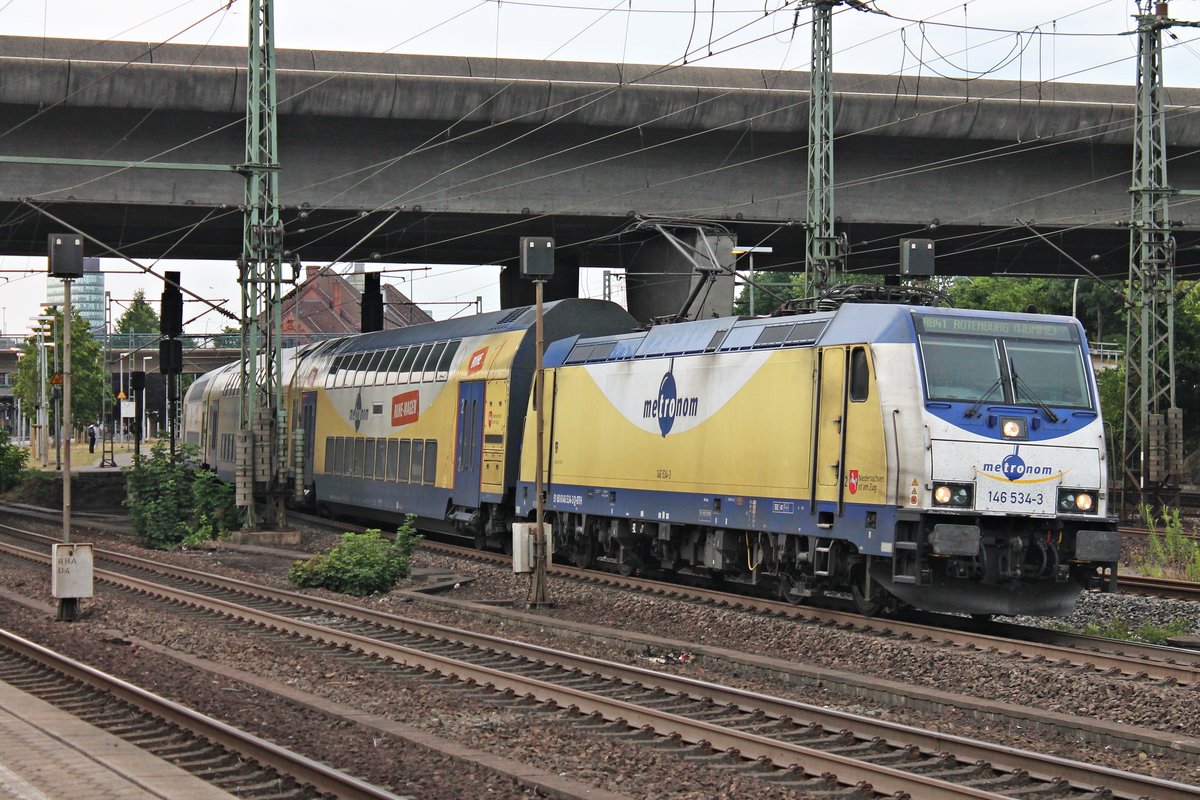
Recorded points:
(308,423)
(468,443)
(831,424)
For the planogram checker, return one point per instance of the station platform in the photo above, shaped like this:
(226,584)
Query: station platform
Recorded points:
(47,754)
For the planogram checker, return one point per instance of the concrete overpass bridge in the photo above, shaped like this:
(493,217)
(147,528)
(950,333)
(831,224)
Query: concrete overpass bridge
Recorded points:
(429,159)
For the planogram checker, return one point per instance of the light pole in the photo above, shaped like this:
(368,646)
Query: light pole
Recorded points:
(737,251)
(121,397)
(43,417)
(145,431)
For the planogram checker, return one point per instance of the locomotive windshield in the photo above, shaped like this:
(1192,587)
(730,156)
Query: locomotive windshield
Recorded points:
(973,360)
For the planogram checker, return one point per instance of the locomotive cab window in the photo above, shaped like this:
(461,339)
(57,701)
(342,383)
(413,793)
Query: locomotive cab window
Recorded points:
(1012,361)
(860,375)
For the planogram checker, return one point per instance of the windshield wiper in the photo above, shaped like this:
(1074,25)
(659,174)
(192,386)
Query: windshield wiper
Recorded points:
(1050,415)
(974,409)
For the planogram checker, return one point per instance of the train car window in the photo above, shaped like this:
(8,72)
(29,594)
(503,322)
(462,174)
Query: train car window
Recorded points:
(405,459)
(430,461)
(418,367)
(369,460)
(396,365)
(387,367)
(339,455)
(393,455)
(360,452)
(381,446)
(443,367)
(435,357)
(328,455)
(331,374)
(860,375)
(406,364)
(418,461)
(372,368)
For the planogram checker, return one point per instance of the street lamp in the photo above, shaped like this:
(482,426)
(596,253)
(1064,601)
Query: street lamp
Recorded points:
(737,251)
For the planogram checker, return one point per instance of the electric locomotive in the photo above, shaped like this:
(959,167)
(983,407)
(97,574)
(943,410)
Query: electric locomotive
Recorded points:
(945,459)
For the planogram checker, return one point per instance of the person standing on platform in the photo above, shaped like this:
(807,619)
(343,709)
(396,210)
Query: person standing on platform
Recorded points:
(91,434)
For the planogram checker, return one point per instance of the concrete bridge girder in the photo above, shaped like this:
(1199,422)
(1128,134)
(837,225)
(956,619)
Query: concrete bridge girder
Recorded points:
(693,142)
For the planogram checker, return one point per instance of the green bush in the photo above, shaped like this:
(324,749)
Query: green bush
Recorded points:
(360,563)
(12,462)
(214,512)
(1148,632)
(161,500)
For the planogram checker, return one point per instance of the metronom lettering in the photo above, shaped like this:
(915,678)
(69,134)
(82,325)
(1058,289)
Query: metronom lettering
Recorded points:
(1029,470)
(671,407)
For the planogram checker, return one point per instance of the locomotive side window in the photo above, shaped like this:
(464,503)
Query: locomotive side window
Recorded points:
(339,455)
(328,455)
(860,375)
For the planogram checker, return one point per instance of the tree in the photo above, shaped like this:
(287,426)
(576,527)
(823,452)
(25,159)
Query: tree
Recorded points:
(139,317)
(87,369)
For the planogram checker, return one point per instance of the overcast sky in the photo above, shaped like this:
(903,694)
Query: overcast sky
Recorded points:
(1011,39)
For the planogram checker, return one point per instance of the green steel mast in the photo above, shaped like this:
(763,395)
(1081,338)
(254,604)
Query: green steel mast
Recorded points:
(821,247)
(1152,457)
(261,444)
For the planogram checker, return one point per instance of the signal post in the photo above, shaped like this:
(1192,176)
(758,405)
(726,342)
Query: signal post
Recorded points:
(537,264)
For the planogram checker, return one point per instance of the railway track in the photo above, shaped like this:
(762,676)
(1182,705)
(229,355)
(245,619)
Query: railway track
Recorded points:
(230,759)
(1160,587)
(700,721)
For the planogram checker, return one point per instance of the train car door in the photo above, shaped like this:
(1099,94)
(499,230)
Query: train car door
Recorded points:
(468,448)
(831,424)
(214,418)
(308,424)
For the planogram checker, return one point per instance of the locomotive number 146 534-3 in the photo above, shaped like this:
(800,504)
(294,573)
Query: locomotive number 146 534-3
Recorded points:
(1016,497)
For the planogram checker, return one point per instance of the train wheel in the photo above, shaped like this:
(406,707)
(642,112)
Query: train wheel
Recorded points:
(868,606)
(786,584)
(583,552)
(480,541)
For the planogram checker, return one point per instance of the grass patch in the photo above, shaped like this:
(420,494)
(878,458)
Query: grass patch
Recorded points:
(1148,633)
(1169,552)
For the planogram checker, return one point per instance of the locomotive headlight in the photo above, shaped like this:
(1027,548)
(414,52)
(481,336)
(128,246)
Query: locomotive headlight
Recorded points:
(1076,501)
(1014,428)
(953,495)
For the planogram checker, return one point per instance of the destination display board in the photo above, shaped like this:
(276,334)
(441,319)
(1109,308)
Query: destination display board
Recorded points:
(1003,328)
